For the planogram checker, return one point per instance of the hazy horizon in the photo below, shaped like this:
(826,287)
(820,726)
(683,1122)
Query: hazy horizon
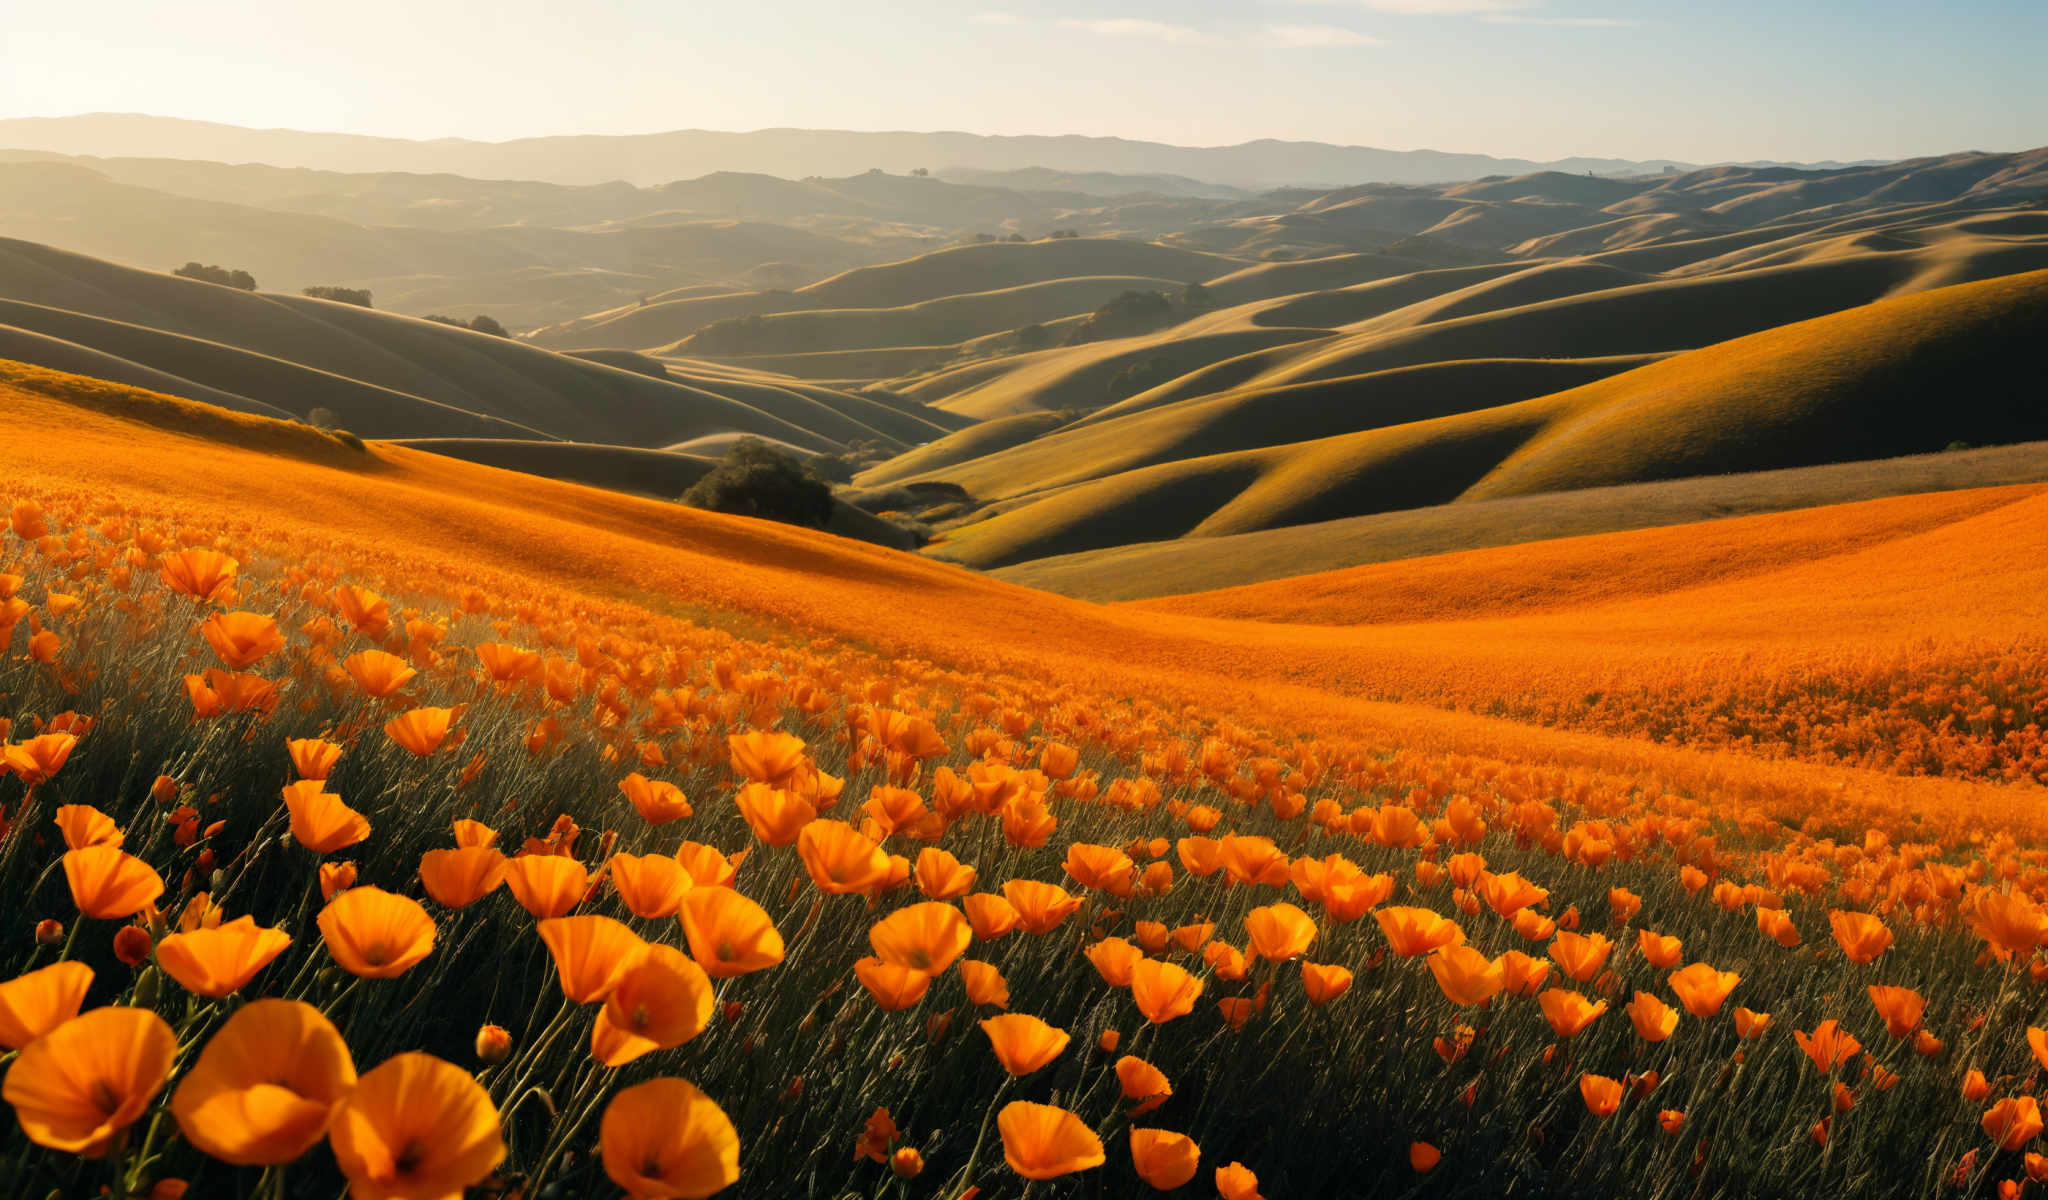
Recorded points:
(1530,79)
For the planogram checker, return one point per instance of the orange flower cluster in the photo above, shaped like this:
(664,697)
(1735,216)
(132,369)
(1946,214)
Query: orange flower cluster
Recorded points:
(285,816)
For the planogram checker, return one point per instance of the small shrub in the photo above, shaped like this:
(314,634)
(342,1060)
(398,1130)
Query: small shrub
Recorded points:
(757,480)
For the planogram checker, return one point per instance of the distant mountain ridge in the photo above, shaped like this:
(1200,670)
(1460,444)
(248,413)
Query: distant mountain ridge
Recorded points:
(654,158)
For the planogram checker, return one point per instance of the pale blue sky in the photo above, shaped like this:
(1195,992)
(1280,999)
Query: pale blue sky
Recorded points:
(1703,80)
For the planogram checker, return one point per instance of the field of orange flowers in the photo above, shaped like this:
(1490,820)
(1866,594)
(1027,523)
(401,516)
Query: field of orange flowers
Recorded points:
(337,874)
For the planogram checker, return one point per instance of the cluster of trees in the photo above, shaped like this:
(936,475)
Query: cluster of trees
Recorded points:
(1136,313)
(757,480)
(345,295)
(480,322)
(216,274)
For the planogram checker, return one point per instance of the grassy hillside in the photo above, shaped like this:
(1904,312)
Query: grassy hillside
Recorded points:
(1236,563)
(1850,385)
(384,375)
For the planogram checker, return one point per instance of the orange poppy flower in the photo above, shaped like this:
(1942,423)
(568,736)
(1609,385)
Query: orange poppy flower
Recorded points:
(375,934)
(1142,1082)
(591,954)
(1040,906)
(460,877)
(1750,1024)
(990,915)
(1413,931)
(77,1087)
(1581,955)
(1776,924)
(1902,1007)
(728,933)
(893,987)
(379,674)
(1975,1086)
(336,878)
(363,609)
(1522,975)
(767,756)
(924,937)
(1193,937)
(546,885)
(241,639)
(1509,894)
(708,865)
(34,1003)
(1163,990)
(657,801)
(664,1138)
(39,758)
(83,825)
(222,960)
(313,758)
(2009,921)
(1164,1159)
(942,876)
(1279,932)
(1659,951)
(651,885)
(1861,936)
(474,833)
(663,1000)
(1654,1020)
(1569,1012)
(421,730)
(416,1127)
(1324,982)
(109,884)
(1702,989)
(776,816)
(321,821)
(1044,1141)
(1829,1045)
(266,1085)
(1465,975)
(1237,1182)
(1113,958)
(1104,868)
(505,663)
(984,983)
(1023,1043)
(198,572)
(840,858)
(2012,1122)
(1201,856)
(1602,1095)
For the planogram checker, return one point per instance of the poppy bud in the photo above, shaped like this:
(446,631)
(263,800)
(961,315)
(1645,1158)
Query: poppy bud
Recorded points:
(493,1043)
(164,790)
(1109,1040)
(49,933)
(147,986)
(1423,1157)
(132,945)
(168,1189)
(733,1009)
(794,1092)
(907,1163)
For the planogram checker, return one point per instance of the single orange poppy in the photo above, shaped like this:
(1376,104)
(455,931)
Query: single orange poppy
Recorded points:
(1040,906)
(379,674)
(1164,1159)
(460,877)
(266,1084)
(320,821)
(984,983)
(83,825)
(1044,1141)
(942,876)
(109,884)
(1465,975)
(894,987)
(663,1000)
(375,934)
(840,858)
(34,1003)
(1569,1012)
(1142,1082)
(79,1086)
(591,953)
(546,885)
(664,1138)
(729,934)
(241,639)
(222,960)
(1702,989)
(313,758)
(416,1127)
(1023,1043)
(657,801)
(925,937)
(421,730)
(1602,1094)
(1163,990)
(1324,982)
(776,816)
(651,885)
